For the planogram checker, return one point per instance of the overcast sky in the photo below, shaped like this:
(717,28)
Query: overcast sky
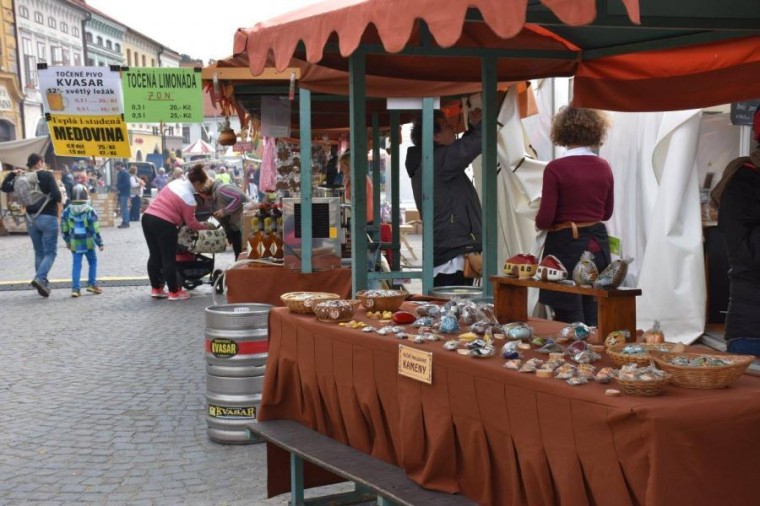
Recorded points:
(202,30)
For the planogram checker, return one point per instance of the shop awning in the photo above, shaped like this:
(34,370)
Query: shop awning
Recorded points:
(627,55)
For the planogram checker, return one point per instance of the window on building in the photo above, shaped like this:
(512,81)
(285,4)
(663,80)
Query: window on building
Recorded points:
(64,27)
(117,47)
(75,31)
(77,59)
(137,60)
(152,62)
(23,12)
(90,62)
(185,135)
(41,51)
(143,60)
(39,18)
(30,70)
(51,22)
(109,45)
(88,36)
(56,55)
(100,40)
(129,56)
(65,56)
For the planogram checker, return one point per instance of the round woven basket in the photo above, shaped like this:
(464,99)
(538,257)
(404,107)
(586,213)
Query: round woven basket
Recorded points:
(335,311)
(641,359)
(381,300)
(703,377)
(644,388)
(304,302)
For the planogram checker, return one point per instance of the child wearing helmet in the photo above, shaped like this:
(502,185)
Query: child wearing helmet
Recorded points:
(81,232)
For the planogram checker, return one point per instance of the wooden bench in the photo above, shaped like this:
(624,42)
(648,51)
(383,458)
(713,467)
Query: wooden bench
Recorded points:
(374,478)
(617,308)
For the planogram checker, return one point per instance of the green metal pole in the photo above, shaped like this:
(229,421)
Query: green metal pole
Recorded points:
(428,207)
(306,189)
(375,176)
(490,107)
(358,113)
(395,181)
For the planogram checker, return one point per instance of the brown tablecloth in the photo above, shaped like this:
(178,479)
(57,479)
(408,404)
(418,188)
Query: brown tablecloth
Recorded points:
(265,284)
(502,437)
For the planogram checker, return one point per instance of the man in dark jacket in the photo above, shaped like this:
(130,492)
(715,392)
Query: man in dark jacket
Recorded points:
(124,187)
(457,219)
(738,197)
(41,221)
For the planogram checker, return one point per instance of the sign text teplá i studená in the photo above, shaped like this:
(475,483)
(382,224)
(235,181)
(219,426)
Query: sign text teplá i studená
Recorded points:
(169,95)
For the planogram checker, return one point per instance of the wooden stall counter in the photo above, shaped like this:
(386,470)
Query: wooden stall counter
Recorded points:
(265,283)
(501,437)
(617,308)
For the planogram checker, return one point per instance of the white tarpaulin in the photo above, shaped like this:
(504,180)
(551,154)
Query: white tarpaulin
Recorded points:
(16,153)
(657,217)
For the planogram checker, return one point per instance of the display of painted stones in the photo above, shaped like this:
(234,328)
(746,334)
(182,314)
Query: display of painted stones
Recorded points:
(604,375)
(701,361)
(510,350)
(551,269)
(518,330)
(613,275)
(403,317)
(578,331)
(585,271)
(432,310)
(617,337)
(449,324)
(521,266)
(632,372)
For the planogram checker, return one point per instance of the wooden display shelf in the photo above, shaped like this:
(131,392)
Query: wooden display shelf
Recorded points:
(617,308)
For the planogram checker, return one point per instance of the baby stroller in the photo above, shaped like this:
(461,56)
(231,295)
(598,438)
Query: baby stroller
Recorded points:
(193,260)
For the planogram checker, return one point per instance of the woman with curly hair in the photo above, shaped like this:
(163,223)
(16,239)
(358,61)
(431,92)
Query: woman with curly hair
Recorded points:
(577,196)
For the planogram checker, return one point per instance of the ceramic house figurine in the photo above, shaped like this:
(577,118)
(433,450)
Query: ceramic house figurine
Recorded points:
(521,266)
(551,269)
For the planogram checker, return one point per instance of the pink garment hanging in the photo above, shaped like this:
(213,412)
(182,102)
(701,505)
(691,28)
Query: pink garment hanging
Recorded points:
(268,175)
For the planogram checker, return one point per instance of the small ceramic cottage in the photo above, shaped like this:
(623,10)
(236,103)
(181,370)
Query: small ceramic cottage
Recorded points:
(521,266)
(551,269)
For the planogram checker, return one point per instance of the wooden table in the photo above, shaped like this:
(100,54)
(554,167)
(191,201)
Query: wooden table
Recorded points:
(617,308)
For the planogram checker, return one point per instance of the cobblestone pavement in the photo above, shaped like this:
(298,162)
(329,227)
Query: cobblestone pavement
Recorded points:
(103,397)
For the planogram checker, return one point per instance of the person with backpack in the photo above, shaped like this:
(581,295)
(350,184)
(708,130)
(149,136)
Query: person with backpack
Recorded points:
(227,202)
(37,190)
(81,233)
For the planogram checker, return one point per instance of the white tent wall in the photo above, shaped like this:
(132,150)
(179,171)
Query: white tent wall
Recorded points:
(657,217)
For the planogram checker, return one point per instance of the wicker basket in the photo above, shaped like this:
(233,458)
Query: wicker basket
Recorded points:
(304,302)
(335,311)
(381,300)
(703,377)
(644,388)
(615,353)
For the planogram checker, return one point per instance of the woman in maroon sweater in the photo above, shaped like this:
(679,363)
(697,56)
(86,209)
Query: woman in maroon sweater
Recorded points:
(577,196)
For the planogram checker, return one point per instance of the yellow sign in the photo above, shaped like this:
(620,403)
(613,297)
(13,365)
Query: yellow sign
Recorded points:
(104,136)
(415,364)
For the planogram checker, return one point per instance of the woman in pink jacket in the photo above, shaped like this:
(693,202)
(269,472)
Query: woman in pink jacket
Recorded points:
(172,208)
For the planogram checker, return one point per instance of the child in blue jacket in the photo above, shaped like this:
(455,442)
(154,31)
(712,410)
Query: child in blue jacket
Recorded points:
(81,232)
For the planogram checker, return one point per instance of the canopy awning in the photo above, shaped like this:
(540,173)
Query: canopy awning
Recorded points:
(199,147)
(672,54)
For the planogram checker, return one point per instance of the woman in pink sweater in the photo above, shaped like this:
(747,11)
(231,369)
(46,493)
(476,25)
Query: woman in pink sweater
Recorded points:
(172,208)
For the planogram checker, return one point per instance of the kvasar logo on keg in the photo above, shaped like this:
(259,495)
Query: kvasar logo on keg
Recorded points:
(224,412)
(224,348)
